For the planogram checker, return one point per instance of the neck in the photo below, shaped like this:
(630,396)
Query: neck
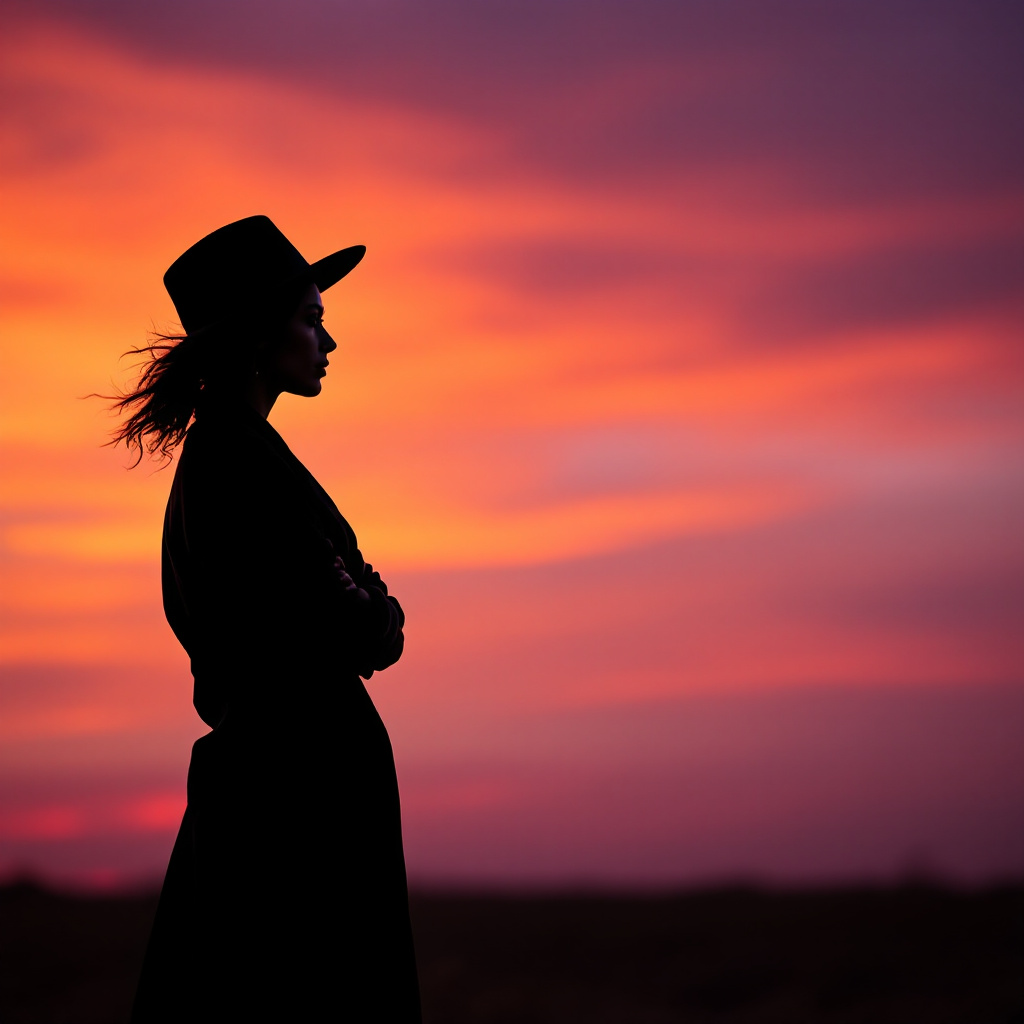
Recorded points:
(260,395)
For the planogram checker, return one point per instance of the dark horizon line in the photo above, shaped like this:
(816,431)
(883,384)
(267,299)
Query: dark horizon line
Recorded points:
(924,880)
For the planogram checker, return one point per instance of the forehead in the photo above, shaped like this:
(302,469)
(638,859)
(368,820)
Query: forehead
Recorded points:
(311,297)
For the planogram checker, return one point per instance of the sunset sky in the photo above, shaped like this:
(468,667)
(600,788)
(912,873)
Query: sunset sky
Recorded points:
(680,400)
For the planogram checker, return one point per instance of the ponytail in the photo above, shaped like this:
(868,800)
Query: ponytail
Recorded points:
(163,401)
(180,369)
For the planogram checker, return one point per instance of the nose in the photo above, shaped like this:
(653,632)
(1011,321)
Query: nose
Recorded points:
(327,343)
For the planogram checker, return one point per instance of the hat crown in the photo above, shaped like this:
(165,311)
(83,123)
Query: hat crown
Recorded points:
(229,267)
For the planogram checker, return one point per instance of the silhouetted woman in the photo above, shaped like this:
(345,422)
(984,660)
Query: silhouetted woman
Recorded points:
(285,897)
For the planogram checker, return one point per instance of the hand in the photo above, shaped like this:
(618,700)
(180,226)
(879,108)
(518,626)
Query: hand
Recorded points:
(347,583)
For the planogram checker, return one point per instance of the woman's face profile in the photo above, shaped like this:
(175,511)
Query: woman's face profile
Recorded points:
(299,363)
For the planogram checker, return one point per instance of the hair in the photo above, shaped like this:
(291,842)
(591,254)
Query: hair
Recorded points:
(182,371)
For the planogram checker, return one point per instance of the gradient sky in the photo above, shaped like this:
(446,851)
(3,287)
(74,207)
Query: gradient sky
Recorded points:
(679,401)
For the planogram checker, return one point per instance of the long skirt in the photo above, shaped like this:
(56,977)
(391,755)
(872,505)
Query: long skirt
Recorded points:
(286,894)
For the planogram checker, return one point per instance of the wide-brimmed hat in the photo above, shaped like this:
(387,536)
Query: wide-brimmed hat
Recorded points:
(242,266)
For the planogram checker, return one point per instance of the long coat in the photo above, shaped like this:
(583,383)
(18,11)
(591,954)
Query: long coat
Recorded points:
(285,897)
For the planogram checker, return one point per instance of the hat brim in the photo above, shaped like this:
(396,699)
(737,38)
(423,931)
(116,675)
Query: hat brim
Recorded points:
(331,269)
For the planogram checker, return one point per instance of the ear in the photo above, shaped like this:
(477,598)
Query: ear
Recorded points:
(261,349)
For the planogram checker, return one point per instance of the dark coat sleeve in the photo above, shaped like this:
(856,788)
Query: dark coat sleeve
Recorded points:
(384,638)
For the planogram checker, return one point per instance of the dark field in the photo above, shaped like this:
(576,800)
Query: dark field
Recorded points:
(901,955)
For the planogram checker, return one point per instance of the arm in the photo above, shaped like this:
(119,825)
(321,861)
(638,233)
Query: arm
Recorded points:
(380,613)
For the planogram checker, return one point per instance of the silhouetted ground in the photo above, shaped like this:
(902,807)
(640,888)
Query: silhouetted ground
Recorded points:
(901,955)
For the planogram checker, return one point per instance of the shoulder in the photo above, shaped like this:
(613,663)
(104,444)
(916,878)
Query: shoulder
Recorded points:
(228,458)
(231,434)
